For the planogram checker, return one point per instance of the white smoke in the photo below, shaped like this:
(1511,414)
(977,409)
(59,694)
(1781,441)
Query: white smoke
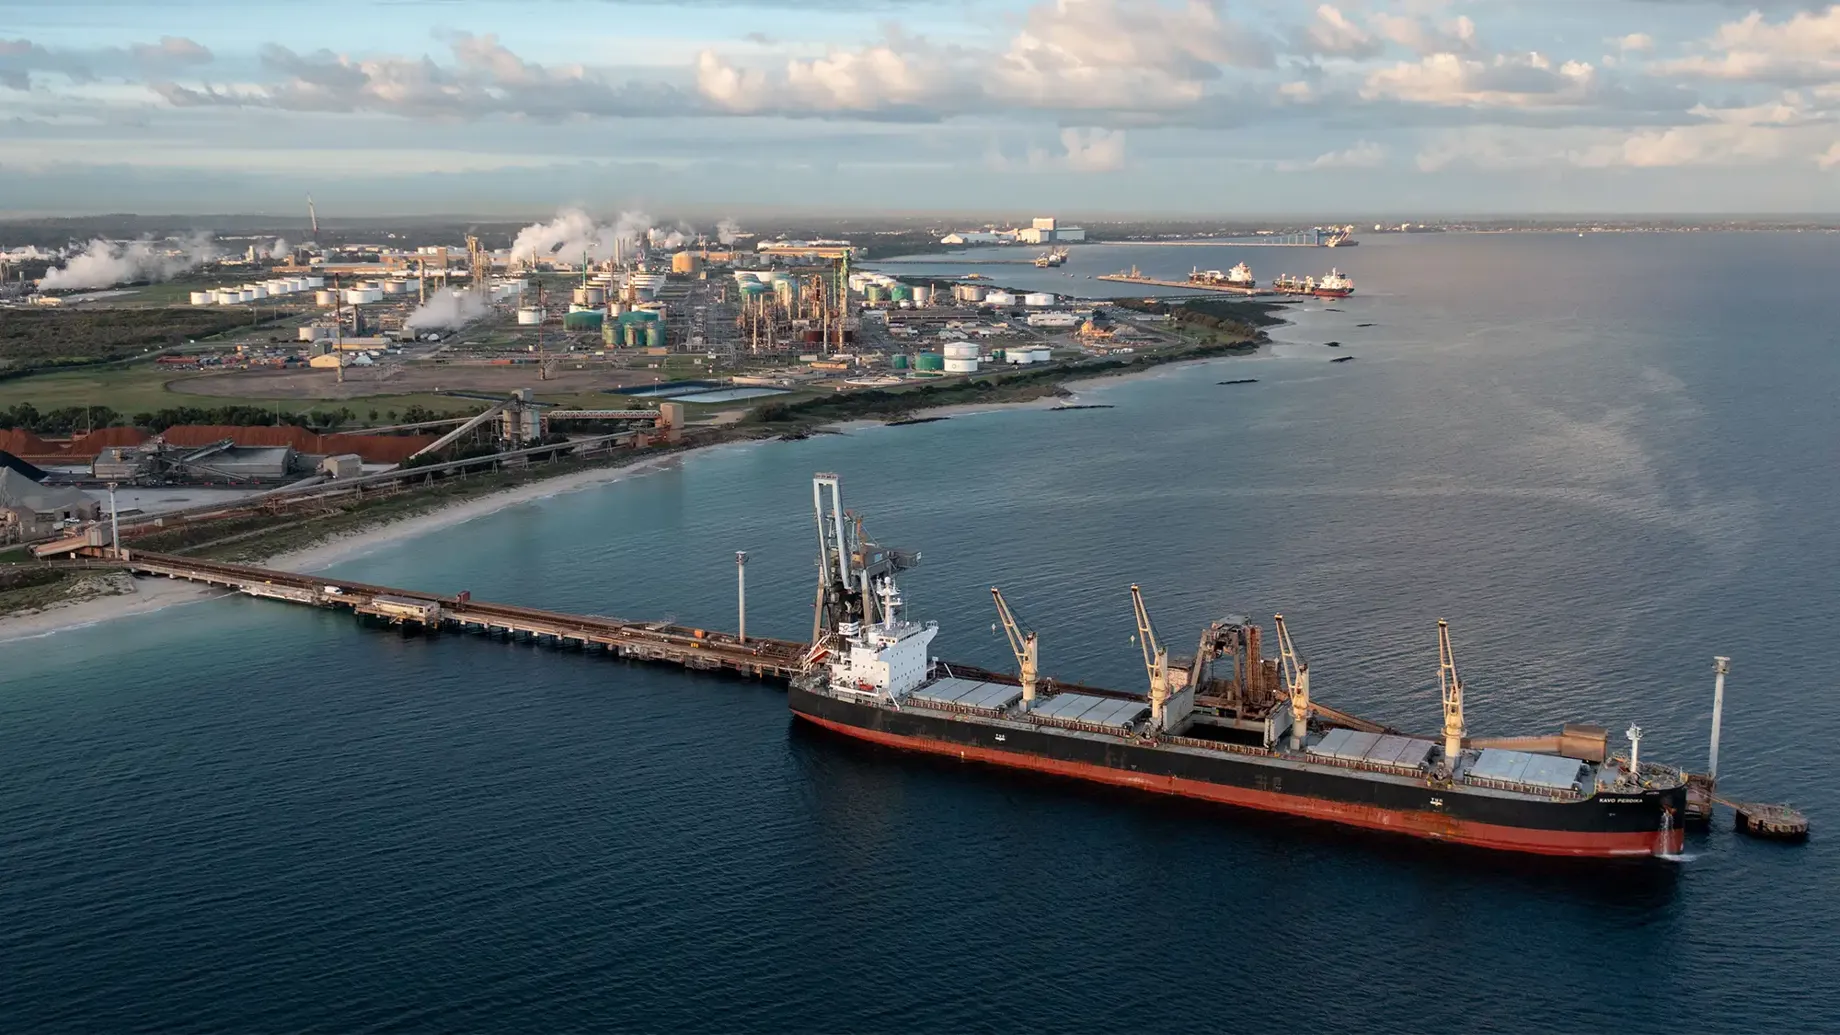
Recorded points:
(28,253)
(280,250)
(447,310)
(107,263)
(728,231)
(574,232)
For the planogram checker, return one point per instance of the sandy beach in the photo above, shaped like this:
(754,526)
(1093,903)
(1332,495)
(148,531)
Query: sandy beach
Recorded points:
(151,594)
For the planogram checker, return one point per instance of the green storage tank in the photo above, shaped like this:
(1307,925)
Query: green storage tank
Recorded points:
(610,335)
(583,320)
(930,361)
(902,293)
(874,294)
(996,355)
(654,336)
(898,362)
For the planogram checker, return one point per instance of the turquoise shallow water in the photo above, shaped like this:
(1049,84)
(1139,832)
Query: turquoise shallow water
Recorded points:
(1594,457)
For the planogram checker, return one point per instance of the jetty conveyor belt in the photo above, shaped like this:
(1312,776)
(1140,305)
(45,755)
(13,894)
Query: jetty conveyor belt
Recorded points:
(650,641)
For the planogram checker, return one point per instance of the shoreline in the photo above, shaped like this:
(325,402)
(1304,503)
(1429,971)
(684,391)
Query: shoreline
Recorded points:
(152,595)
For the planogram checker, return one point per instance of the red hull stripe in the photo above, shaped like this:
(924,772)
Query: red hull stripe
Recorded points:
(1430,825)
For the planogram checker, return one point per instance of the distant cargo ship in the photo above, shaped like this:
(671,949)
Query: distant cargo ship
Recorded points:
(1052,258)
(1334,284)
(1226,726)
(1239,276)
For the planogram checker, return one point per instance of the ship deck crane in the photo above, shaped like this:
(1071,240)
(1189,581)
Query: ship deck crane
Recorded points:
(1452,688)
(1297,678)
(1156,658)
(1024,644)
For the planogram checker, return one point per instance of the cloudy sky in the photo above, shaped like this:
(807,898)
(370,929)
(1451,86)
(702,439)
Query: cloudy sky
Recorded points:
(1092,107)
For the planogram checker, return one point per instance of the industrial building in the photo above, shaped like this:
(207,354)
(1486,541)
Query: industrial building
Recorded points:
(29,510)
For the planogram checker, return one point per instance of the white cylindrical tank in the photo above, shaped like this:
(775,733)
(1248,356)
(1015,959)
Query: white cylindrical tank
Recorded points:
(969,292)
(961,366)
(325,298)
(616,308)
(923,296)
(314,332)
(961,350)
(201,298)
(316,282)
(530,317)
(1038,298)
(1040,354)
(1000,298)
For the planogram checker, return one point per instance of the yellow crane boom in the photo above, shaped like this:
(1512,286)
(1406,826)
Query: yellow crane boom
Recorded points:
(1025,646)
(1156,658)
(1297,677)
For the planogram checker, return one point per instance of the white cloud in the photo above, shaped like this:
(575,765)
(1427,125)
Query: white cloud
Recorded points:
(1331,32)
(1803,48)
(1510,81)
(1093,150)
(1421,36)
(1635,43)
(1363,155)
(1830,158)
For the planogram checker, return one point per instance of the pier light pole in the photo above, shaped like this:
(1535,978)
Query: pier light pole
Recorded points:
(1720,666)
(741,591)
(115,549)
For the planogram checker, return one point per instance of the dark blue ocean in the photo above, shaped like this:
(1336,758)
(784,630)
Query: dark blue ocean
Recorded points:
(1603,459)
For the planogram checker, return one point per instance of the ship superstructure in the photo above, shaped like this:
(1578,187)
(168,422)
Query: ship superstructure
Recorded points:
(1051,258)
(1239,276)
(1227,725)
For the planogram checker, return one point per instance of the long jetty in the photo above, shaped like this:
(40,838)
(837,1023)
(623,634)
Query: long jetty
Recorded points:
(410,609)
(1225,289)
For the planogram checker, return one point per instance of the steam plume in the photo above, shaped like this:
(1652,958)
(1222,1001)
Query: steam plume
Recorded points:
(447,310)
(107,263)
(728,231)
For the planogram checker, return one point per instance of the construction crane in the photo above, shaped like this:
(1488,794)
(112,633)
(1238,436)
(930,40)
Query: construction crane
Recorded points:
(1452,688)
(1025,645)
(1156,658)
(1297,678)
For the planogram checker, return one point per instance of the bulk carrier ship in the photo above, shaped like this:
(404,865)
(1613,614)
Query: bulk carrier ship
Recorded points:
(1227,725)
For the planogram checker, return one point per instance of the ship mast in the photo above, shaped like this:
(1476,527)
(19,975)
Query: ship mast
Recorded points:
(1156,659)
(1452,688)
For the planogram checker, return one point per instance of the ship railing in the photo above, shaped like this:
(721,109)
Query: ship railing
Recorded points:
(1075,724)
(1217,745)
(912,701)
(1523,788)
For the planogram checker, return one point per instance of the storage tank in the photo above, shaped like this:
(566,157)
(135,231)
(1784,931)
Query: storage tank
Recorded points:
(874,294)
(610,334)
(590,296)
(616,309)
(898,362)
(314,332)
(258,291)
(961,366)
(325,298)
(654,336)
(316,282)
(969,292)
(996,355)
(635,335)
(923,295)
(529,316)
(1038,298)
(961,350)
(1040,354)
(999,298)
(201,298)
(901,293)
(929,361)
(583,320)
